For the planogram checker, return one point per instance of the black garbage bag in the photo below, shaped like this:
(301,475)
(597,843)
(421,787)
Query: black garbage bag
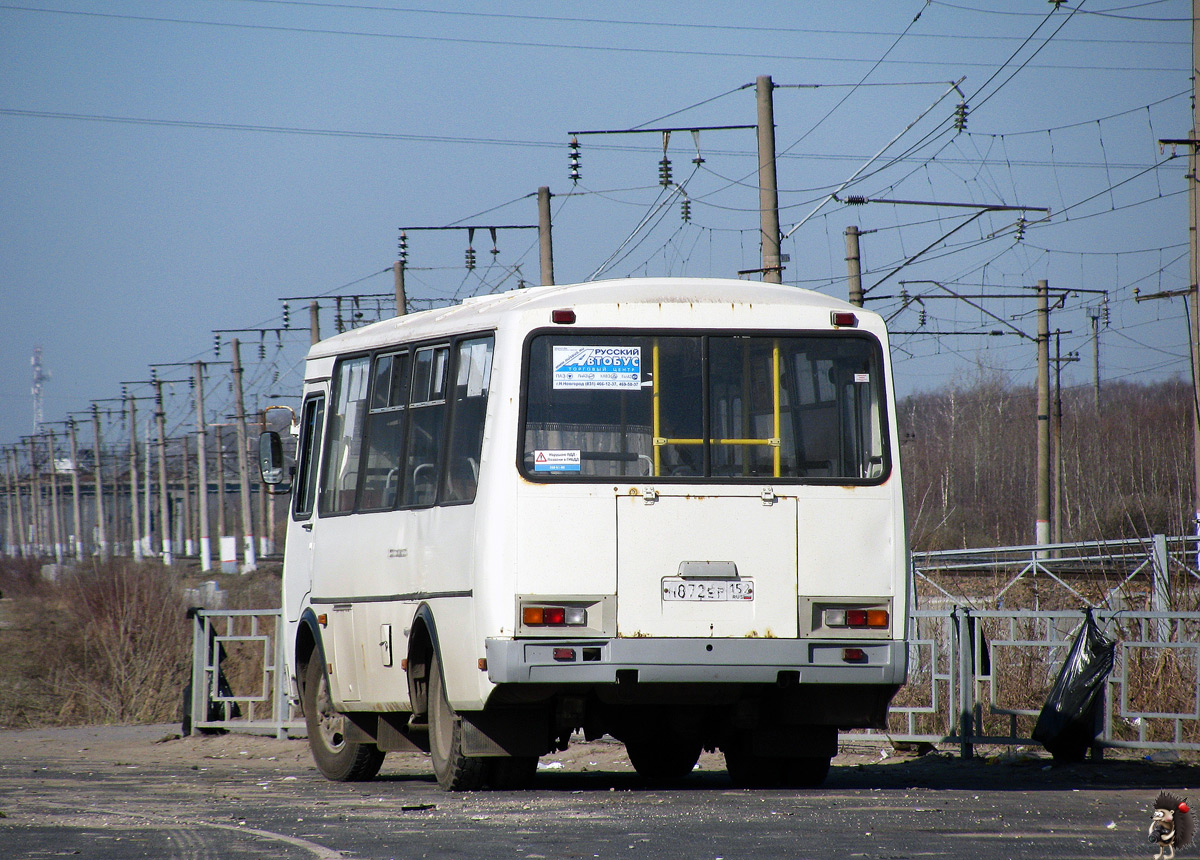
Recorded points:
(1070,718)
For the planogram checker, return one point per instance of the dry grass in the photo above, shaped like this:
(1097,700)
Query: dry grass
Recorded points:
(104,643)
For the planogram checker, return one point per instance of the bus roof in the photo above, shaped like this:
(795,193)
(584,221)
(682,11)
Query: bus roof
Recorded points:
(482,312)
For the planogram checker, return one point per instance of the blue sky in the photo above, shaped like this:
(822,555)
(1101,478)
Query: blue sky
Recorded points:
(171,168)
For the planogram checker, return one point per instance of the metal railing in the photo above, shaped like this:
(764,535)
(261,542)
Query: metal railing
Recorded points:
(981,664)
(238,678)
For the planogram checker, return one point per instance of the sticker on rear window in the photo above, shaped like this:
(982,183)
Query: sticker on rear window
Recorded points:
(612,367)
(556,461)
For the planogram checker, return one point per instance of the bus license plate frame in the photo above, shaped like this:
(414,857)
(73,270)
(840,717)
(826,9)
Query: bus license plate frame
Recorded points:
(676,589)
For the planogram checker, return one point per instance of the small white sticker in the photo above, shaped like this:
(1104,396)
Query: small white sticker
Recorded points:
(556,461)
(612,367)
(862,377)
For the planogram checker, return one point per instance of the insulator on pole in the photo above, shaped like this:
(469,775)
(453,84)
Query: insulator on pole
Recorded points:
(664,172)
(574,149)
(686,210)
(960,117)
(217,344)
(287,316)
(495,250)
(403,248)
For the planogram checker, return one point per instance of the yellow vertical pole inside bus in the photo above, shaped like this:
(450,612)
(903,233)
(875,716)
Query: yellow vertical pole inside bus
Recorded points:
(776,442)
(656,432)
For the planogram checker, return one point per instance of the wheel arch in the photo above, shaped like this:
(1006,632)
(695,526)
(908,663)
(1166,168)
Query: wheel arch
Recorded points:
(309,643)
(422,645)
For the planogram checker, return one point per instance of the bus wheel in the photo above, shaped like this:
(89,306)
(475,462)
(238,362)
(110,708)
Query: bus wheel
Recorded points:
(660,760)
(454,770)
(337,757)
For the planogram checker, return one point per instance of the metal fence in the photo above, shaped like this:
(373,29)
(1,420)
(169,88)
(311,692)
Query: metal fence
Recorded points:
(996,625)
(238,678)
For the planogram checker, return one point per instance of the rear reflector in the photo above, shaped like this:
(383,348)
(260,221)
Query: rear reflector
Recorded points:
(844,319)
(564,655)
(566,316)
(854,655)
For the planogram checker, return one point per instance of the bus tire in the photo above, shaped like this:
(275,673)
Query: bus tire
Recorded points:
(454,770)
(337,757)
(661,760)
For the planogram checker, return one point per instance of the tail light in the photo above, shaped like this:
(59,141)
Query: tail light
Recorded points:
(874,619)
(553,616)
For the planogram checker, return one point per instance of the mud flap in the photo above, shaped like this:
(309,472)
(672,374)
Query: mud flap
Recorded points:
(506,732)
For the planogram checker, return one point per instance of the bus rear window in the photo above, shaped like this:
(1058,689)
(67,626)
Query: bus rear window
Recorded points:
(704,406)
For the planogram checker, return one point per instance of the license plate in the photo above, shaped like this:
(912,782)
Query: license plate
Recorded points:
(676,588)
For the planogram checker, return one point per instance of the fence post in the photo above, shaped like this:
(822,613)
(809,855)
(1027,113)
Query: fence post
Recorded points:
(1160,594)
(199,697)
(966,684)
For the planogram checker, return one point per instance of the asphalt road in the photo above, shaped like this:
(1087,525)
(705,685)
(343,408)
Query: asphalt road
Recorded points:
(112,794)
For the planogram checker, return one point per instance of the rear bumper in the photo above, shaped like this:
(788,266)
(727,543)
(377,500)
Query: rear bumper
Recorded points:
(694,661)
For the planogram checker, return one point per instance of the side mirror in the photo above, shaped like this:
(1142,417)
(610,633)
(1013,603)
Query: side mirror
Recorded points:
(270,462)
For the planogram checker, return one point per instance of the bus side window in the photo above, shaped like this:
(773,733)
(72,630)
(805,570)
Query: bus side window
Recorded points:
(343,446)
(385,432)
(473,363)
(426,420)
(311,423)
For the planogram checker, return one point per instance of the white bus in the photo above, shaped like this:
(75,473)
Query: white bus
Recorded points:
(666,510)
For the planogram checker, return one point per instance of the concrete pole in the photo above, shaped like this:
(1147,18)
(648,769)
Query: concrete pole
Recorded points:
(202,471)
(545,239)
(101,521)
(10,544)
(56,528)
(189,540)
(221,511)
(314,321)
(1042,523)
(164,502)
(401,298)
(1096,362)
(37,539)
(768,191)
(15,478)
(249,561)
(1056,447)
(76,510)
(147,506)
(135,513)
(854,265)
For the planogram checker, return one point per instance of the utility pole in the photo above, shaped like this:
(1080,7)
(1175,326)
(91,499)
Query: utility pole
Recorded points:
(189,542)
(249,562)
(101,524)
(768,190)
(22,543)
(1059,359)
(854,265)
(164,506)
(545,240)
(401,299)
(1042,521)
(75,506)
(56,529)
(314,322)
(135,523)
(1095,319)
(10,497)
(202,472)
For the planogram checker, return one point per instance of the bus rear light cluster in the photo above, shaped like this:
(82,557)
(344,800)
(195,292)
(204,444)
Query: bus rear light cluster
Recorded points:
(857,618)
(554,616)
